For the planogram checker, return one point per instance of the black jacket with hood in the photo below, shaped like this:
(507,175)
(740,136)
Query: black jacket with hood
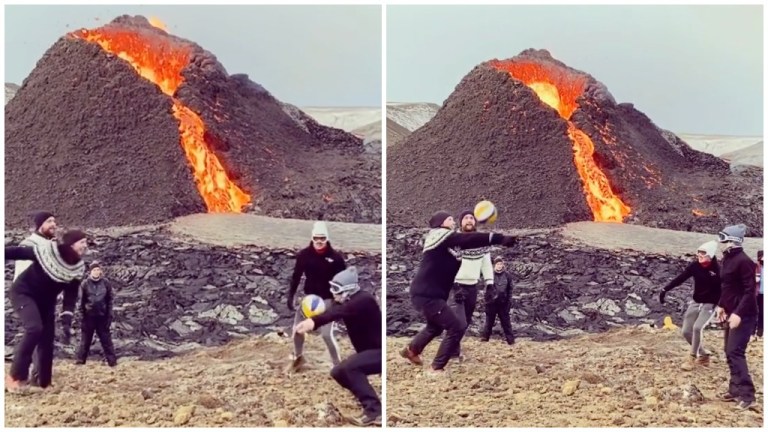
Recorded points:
(706,281)
(319,268)
(737,274)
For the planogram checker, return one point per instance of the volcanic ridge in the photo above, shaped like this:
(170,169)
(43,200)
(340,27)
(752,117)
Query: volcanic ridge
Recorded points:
(549,145)
(127,125)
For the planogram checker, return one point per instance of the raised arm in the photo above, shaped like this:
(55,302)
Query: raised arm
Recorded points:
(20,253)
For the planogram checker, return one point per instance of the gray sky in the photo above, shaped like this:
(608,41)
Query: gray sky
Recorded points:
(694,69)
(305,55)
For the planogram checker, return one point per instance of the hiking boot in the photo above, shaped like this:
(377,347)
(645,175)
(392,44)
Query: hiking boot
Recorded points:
(688,363)
(409,355)
(511,341)
(12,385)
(484,339)
(744,405)
(703,361)
(367,420)
(726,397)
(298,362)
(79,362)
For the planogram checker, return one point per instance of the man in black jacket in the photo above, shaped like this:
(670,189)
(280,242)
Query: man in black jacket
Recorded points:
(57,267)
(430,288)
(737,308)
(362,317)
(705,271)
(497,302)
(96,312)
(319,262)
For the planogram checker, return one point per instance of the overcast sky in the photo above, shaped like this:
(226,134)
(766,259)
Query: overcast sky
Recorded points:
(691,69)
(305,55)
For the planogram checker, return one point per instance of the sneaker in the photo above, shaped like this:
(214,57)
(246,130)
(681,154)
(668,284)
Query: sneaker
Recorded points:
(726,397)
(409,355)
(702,361)
(511,341)
(367,420)
(688,363)
(298,362)
(744,405)
(12,385)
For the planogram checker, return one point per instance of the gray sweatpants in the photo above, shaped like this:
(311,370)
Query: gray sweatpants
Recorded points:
(696,318)
(326,332)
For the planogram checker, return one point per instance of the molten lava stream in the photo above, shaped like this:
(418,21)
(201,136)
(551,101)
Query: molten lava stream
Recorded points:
(160,62)
(559,91)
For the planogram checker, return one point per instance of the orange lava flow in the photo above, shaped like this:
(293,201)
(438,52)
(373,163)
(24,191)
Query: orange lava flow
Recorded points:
(559,90)
(161,63)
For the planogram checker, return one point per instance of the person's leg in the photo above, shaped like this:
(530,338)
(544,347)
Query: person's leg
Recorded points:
(741,385)
(45,347)
(298,338)
(444,317)
(689,319)
(28,312)
(490,320)
(330,341)
(460,311)
(352,374)
(506,324)
(706,314)
(470,303)
(429,332)
(87,327)
(105,338)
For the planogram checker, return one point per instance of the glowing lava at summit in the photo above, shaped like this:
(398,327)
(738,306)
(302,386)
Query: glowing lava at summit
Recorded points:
(559,90)
(159,60)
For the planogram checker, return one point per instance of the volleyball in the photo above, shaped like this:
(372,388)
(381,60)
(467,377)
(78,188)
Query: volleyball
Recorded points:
(312,305)
(485,212)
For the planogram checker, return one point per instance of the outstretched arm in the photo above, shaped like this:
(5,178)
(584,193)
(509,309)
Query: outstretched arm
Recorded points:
(687,273)
(20,253)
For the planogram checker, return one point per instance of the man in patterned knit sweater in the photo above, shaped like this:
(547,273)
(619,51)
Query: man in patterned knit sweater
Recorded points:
(476,266)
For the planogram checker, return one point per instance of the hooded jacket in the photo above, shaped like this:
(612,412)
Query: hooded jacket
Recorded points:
(737,274)
(96,298)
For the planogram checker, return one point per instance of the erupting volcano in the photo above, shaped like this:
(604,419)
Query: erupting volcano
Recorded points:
(549,145)
(127,124)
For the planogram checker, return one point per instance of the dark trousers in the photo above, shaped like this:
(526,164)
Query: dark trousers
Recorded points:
(464,305)
(440,317)
(352,374)
(736,341)
(39,323)
(498,308)
(759,327)
(100,326)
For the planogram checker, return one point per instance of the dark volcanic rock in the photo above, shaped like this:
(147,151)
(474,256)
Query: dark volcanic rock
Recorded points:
(560,289)
(494,138)
(107,146)
(173,296)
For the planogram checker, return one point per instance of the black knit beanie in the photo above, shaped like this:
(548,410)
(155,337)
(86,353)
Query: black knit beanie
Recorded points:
(437,219)
(464,213)
(71,237)
(39,218)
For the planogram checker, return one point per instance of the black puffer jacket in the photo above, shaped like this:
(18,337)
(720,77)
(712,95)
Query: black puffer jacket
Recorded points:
(501,290)
(737,275)
(96,298)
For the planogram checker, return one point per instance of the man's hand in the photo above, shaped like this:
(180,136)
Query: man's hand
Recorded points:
(291,307)
(662,295)
(305,326)
(720,313)
(734,321)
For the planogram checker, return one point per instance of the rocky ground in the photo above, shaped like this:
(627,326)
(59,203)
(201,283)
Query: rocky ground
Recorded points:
(622,378)
(242,384)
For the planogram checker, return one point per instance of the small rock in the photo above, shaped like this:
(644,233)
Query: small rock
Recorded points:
(226,416)
(280,423)
(539,369)
(147,394)
(95,411)
(183,415)
(209,401)
(651,400)
(571,386)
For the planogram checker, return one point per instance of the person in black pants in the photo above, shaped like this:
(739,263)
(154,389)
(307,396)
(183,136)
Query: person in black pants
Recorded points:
(737,308)
(497,302)
(362,317)
(475,267)
(432,285)
(96,310)
(56,267)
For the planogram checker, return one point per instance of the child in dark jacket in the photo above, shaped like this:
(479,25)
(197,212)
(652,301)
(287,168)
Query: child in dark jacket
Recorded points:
(497,302)
(96,310)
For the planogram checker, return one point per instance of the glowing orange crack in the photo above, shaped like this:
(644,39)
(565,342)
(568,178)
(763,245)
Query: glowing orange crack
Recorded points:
(560,91)
(161,63)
